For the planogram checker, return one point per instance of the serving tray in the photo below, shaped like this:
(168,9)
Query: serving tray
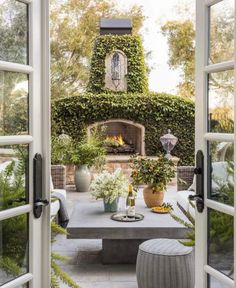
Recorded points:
(122,217)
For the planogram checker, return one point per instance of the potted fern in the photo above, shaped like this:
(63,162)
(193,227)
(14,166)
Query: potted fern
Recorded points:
(88,152)
(14,244)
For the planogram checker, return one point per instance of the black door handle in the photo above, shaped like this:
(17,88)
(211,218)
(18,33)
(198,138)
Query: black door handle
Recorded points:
(199,172)
(39,203)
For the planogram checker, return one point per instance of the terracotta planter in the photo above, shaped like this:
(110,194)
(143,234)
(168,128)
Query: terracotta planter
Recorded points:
(152,199)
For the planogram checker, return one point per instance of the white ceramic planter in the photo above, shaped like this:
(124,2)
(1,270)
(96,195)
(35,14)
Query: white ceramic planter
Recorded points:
(82,178)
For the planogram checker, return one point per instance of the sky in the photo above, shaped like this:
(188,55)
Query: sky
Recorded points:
(161,78)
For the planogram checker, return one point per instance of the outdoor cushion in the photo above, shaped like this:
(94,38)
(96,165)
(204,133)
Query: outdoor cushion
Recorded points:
(55,204)
(219,175)
(193,185)
(182,198)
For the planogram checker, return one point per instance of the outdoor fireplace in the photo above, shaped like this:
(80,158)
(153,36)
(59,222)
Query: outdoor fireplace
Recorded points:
(123,137)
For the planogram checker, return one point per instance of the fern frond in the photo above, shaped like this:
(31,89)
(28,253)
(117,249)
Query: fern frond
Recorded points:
(55,228)
(10,266)
(181,221)
(182,181)
(191,203)
(65,278)
(190,218)
(59,257)
(187,243)
(54,281)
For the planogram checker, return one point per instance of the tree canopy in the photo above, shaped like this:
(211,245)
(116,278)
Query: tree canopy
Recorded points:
(74,27)
(181,40)
(181,35)
(13,86)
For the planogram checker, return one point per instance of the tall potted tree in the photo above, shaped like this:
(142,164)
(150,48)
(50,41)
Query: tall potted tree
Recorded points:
(156,174)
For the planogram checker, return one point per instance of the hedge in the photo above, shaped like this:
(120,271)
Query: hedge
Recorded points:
(157,112)
(137,81)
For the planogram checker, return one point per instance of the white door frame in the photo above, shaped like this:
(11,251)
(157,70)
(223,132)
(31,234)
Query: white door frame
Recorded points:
(202,136)
(39,142)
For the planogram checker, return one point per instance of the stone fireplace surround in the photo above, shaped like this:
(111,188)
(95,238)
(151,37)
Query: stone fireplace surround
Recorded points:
(132,133)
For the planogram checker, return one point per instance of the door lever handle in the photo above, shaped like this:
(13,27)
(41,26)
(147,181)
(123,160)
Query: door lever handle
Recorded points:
(194,197)
(199,172)
(199,201)
(41,202)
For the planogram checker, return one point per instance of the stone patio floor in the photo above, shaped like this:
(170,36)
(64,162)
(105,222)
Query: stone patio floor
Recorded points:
(85,264)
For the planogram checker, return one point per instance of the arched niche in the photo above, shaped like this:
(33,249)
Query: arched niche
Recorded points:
(116,71)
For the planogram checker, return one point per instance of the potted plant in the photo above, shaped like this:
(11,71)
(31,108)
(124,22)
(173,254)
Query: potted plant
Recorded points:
(110,187)
(61,148)
(156,174)
(88,152)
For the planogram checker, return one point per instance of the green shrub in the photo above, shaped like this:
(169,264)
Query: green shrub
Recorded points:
(132,47)
(61,149)
(157,112)
(89,151)
(155,173)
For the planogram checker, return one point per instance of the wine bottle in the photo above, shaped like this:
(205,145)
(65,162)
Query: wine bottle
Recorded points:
(130,203)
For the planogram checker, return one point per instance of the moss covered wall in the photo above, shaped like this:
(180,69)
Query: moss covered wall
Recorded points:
(157,112)
(137,81)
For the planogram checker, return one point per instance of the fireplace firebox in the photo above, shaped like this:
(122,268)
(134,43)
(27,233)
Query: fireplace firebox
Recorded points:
(123,137)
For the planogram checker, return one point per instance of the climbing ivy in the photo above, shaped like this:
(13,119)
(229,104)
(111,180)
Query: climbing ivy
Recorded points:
(157,112)
(132,46)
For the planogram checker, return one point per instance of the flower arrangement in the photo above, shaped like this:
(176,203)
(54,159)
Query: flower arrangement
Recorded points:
(152,172)
(109,186)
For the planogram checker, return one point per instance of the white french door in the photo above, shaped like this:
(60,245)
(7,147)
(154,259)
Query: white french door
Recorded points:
(24,132)
(215,137)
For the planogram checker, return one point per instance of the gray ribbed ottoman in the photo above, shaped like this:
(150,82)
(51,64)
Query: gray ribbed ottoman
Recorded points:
(165,263)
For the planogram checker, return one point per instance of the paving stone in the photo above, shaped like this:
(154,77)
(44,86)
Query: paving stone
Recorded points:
(122,273)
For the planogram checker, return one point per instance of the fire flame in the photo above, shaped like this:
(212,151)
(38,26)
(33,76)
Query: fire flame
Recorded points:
(119,139)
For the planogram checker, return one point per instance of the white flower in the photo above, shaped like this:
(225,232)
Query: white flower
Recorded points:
(109,186)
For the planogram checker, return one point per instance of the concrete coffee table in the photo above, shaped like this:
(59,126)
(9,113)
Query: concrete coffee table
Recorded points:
(120,240)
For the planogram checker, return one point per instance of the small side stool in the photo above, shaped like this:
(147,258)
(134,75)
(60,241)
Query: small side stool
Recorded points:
(165,263)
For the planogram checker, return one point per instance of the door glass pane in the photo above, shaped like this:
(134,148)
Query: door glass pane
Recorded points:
(221,32)
(221,242)
(14,237)
(13,103)
(221,102)
(221,172)
(23,286)
(14,31)
(214,283)
(13,176)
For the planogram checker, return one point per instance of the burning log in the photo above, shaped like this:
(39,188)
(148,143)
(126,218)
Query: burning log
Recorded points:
(117,145)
